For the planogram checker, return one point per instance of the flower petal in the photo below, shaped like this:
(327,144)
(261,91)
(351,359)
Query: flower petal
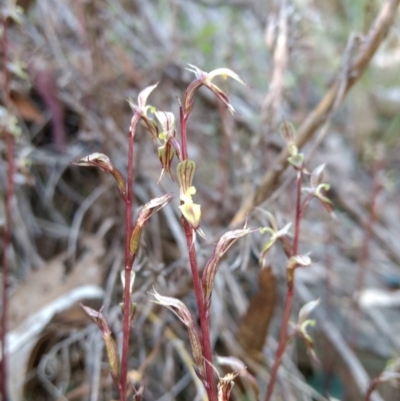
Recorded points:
(144,94)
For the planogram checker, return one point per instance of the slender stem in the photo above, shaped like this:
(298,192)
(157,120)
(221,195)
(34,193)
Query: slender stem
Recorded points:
(203,313)
(290,293)
(183,119)
(8,215)
(129,259)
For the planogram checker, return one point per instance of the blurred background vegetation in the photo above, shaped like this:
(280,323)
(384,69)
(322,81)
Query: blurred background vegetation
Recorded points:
(73,66)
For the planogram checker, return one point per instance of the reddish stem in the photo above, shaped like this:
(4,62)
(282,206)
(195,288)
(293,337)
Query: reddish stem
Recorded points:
(8,215)
(203,313)
(129,259)
(290,293)
(183,119)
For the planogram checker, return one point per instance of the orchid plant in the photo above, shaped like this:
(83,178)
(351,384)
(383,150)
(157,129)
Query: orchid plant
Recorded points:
(161,127)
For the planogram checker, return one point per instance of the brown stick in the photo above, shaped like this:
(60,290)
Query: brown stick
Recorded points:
(321,112)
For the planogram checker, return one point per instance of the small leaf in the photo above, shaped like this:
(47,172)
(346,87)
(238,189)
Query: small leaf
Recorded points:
(152,207)
(112,354)
(135,239)
(176,306)
(96,160)
(195,344)
(224,243)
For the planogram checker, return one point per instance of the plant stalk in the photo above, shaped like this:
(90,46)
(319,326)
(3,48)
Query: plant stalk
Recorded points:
(129,259)
(203,313)
(290,292)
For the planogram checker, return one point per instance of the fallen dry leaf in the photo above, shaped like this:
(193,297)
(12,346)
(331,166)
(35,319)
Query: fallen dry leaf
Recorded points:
(253,327)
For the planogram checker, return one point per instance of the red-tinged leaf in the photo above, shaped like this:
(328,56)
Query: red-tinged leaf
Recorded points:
(96,159)
(176,306)
(224,243)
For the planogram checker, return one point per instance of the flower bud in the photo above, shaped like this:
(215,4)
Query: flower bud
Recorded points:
(185,171)
(166,153)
